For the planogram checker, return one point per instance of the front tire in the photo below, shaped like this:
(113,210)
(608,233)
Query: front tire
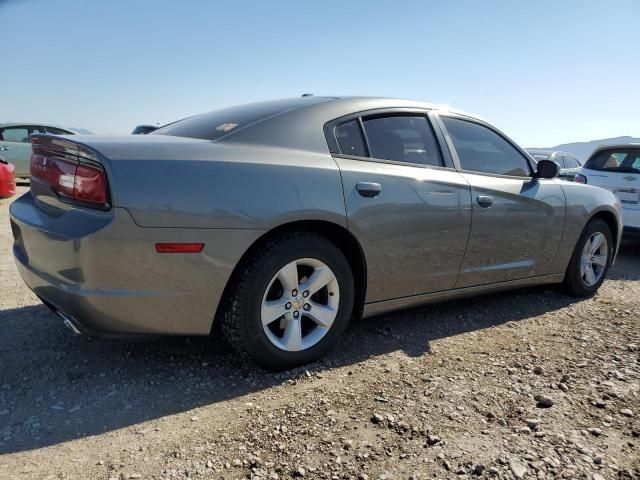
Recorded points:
(290,302)
(591,259)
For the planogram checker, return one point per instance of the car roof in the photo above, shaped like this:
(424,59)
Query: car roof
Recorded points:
(354,104)
(357,104)
(299,122)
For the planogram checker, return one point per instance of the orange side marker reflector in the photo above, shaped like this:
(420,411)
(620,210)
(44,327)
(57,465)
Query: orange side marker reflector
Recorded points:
(179,247)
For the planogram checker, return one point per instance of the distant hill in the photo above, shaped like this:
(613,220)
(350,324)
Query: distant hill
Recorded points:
(584,149)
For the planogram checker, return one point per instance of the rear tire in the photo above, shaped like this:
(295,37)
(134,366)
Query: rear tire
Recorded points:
(278,313)
(589,265)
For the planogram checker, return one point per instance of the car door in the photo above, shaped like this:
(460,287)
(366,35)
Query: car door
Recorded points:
(15,147)
(405,203)
(517,220)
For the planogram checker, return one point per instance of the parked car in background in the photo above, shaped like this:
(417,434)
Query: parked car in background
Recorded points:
(144,129)
(569,164)
(15,146)
(617,168)
(7,179)
(282,220)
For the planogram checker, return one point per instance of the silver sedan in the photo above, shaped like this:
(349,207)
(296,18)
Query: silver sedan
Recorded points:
(282,220)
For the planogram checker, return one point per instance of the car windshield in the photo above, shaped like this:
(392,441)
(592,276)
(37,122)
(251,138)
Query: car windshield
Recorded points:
(214,125)
(624,160)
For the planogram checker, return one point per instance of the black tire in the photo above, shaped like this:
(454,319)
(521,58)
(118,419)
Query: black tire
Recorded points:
(241,321)
(573,281)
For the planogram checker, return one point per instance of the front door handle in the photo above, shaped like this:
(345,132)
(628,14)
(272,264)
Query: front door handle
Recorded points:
(484,201)
(369,189)
(3,148)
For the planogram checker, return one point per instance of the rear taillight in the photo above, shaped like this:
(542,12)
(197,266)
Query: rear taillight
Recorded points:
(580,179)
(80,182)
(90,185)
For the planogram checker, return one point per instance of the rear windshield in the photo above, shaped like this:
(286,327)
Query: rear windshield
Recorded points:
(213,125)
(623,160)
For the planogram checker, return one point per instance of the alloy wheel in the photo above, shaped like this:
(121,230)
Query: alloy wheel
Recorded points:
(300,304)
(593,260)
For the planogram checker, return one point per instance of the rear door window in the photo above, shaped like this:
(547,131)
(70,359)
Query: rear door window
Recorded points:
(402,138)
(616,160)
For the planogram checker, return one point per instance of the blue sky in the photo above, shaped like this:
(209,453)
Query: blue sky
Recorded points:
(546,72)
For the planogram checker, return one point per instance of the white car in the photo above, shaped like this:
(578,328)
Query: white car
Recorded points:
(617,168)
(569,164)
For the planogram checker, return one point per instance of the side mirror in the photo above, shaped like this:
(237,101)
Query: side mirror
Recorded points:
(547,169)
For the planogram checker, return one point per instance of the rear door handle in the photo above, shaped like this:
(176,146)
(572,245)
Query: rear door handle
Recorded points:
(368,189)
(484,201)
(3,148)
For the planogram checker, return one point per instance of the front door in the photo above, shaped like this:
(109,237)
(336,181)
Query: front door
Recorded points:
(517,220)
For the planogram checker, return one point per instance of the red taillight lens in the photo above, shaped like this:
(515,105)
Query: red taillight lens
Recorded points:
(84,183)
(90,185)
(580,179)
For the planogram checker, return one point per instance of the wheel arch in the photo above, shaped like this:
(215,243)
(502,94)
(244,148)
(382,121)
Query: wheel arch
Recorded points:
(340,236)
(612,222)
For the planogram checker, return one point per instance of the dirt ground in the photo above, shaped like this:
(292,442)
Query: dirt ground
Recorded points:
(525,384)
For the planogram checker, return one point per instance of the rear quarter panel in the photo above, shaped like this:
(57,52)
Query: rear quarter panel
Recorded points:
(233,186)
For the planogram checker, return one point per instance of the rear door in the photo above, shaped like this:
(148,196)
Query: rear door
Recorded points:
(406,204)
(618,170)
(517,220)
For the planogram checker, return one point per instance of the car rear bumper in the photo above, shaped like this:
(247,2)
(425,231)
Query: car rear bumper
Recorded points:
(100,271)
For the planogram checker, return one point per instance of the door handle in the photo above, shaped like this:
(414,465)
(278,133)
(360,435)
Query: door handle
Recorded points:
(484,201)
(3,148)
(368,189)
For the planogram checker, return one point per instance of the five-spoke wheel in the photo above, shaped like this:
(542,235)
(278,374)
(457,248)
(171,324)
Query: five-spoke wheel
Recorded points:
(300,304)
(591,259)
(290,301)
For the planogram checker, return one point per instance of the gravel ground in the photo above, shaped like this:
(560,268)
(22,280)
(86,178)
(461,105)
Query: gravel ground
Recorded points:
(525,384)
